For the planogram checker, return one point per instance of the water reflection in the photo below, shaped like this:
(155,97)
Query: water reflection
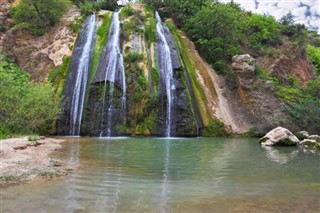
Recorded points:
(278,156)
(165,174)
(180,175)
(74,162)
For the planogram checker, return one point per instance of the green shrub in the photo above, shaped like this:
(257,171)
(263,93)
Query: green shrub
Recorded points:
(303,103)
(76,26)
(58,76)
(126,12)
(262,30)
(33,137)
(155,76)
(107,4)
(216,32)
(150,31)
(314,56)
(87,9)
(142,82)
(39,15)
(25,106)
(215,128)
(135,57)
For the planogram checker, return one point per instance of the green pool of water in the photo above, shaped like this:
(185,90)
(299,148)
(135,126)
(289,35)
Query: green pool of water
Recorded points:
(175,175)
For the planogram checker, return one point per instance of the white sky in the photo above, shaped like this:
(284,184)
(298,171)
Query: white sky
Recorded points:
(305,11)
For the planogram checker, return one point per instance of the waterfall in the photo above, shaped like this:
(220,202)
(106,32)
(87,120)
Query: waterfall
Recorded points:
(79,71)
(113,70)
(166,71)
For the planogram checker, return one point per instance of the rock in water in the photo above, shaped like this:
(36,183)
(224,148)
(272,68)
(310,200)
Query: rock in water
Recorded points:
(302,135)
(314,137)
(308,142)
(279,137)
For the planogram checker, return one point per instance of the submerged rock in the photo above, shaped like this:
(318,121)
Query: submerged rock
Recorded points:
(279,137)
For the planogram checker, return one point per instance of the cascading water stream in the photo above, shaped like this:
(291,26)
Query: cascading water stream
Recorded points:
(166,71)
(113,67)
(81,78)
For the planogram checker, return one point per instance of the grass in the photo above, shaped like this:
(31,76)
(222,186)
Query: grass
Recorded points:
(48,174)
(7,178)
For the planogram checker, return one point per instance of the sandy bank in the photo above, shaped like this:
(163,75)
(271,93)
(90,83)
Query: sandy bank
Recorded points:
(22,160)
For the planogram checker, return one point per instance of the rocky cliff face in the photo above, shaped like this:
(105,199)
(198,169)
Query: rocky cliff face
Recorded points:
(146,102)
(258,95)
(289,61)
(39,55)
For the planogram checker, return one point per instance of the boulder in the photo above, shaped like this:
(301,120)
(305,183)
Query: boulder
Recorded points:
(243,64)
(308,142)
(279,137)
(302,135)
(315,137)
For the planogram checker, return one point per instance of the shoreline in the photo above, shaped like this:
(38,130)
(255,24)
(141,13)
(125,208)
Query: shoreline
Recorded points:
(23,161)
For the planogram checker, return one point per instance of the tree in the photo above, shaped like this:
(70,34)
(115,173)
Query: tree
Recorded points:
(38,15)
(25,106)
(262,30)
(215,31)
(181,10)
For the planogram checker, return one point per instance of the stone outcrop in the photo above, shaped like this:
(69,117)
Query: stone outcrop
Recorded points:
(39,55)
(279,137)
(243,66)
(257,95)
(315,137)
(302,135)
(295,63)
(308,142)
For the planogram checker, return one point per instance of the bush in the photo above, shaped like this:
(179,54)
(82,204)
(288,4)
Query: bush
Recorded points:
(33,137)
(303,103)
(314,56)
(150,31)
(87,9)
(135,57)
(289,28)
(142,82)
(76,26)
(216,34)
(107,4)
(39,15)
(126,12)
(25,106)
(262,30)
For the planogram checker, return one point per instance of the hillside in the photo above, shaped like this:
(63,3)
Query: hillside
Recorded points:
(234,72)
